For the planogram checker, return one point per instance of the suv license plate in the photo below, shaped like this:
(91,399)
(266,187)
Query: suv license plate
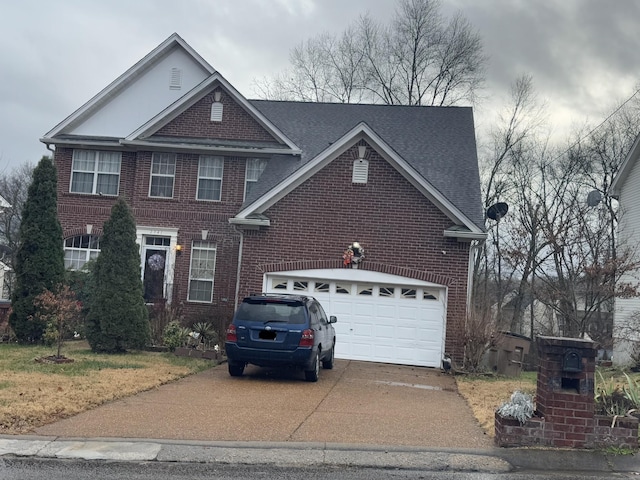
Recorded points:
(267,335)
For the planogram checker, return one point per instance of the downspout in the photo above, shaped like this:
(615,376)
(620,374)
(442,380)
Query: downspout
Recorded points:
(53,152)
(240,246)
(473,251)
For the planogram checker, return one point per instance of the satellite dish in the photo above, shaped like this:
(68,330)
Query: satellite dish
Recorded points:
(594,198)
(497,211)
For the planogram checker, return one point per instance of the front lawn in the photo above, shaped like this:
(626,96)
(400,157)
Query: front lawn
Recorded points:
(33,394)
(485,394)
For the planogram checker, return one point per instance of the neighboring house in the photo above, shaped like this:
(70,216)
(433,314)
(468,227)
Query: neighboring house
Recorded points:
(626,188)
(5,280)
(233,196)
(5,270)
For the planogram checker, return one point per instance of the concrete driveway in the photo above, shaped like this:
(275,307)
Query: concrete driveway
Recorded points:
(356,402)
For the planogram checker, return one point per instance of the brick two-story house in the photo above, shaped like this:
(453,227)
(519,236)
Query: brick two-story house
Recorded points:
(233,196)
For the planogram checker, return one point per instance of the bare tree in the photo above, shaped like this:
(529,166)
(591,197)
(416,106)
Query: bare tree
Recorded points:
(417,59)
(505,171)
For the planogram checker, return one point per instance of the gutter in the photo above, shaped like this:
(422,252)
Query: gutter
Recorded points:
(465,236)
(191,147)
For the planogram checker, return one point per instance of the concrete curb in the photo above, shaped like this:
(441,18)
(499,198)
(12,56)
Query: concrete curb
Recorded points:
(315,454)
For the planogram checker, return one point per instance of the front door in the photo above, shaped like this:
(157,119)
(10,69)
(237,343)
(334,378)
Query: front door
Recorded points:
(155,267)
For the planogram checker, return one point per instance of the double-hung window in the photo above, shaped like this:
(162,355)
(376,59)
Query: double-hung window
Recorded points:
(163,173)
(203,265)
(255,167)
(210,178)
(95,172)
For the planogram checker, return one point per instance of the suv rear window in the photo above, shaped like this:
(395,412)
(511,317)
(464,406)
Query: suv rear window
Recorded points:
(261,310)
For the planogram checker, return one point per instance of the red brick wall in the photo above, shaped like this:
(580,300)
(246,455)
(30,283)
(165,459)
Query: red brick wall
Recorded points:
(184,212)
(401,231)
(236,123)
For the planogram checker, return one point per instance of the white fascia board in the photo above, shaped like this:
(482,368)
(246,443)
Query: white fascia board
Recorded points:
(625,169)
(131,73)
(196,94)
(88,143)
(360,131)
(203,148)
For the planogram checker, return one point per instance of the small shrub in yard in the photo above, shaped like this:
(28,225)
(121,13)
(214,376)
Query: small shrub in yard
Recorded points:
(480,334)
(58,311)
(175,335)
(612,399)
(519,407)
(161,315)
(205,334)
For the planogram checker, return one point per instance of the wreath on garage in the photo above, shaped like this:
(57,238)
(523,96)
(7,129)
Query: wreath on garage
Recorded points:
(353,255)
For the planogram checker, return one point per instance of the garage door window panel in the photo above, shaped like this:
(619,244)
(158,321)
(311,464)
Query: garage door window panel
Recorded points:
(365,290)
(409,293)
(300,286)
(279,284)
(343,289)
(321,287)
(387,292)
(430,295)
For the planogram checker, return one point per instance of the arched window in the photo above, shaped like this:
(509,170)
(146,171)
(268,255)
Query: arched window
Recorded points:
(79,250)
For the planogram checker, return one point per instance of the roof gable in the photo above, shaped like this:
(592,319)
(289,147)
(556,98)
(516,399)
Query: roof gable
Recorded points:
(436,144)
(361,131)
(195,106)
(117,109)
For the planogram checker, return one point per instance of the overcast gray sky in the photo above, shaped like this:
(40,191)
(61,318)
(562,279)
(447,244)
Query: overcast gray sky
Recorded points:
(584,55)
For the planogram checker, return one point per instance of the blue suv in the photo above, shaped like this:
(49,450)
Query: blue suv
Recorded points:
(276,330)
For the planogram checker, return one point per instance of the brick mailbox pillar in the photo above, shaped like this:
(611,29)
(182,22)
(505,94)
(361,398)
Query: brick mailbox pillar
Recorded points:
(566,378)
(565,404)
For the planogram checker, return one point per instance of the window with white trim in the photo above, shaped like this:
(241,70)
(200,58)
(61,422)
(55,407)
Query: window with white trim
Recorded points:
(79,250)
(203,265)
(163,173)
(255,167)
(95,172)
(210,178)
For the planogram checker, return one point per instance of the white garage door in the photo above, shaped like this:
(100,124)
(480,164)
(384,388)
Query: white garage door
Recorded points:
(381,318)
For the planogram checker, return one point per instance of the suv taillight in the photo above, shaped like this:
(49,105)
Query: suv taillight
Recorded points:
(231,334)
(307,338)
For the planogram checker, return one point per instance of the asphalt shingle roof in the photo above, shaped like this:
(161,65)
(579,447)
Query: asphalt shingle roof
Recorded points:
(439,142)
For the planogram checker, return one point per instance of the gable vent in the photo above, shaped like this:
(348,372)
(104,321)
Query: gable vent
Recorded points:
(360,171)
(216,107)
(175,83)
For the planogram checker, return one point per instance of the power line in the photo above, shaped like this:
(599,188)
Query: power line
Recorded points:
(593,130)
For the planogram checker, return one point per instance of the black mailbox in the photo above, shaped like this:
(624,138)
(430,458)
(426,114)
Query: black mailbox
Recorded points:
(572,361)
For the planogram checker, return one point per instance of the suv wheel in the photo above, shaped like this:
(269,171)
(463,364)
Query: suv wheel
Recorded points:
(327,363)
(312,375)
(236,369)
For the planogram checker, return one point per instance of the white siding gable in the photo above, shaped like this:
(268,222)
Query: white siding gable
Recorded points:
(628,237)
(144,97)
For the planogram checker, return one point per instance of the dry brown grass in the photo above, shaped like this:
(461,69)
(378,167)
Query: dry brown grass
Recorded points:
(34,394)
(484,395)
